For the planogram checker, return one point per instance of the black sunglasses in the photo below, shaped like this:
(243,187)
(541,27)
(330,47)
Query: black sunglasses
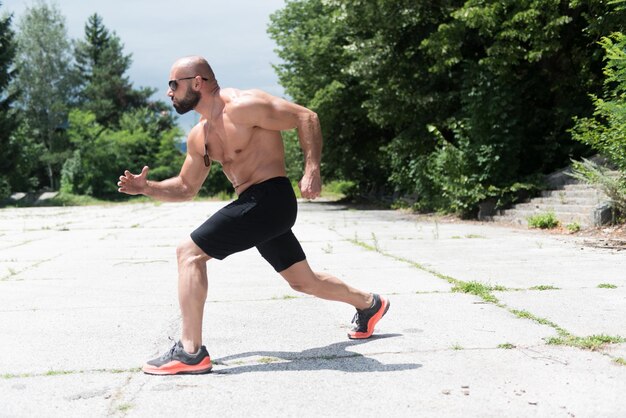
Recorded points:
(174,83)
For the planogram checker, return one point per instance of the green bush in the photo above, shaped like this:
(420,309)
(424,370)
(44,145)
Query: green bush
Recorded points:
(543,221)
(606,130)
(573,227)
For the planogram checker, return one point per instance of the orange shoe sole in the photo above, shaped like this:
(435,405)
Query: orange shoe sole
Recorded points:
(177,367)
(372,322)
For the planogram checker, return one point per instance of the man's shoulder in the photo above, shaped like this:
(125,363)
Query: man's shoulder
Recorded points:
(233,96)
(243,105)
(197,131)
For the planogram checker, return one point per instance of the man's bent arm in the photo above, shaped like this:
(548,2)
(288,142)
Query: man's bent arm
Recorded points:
(269,112)
(310,136)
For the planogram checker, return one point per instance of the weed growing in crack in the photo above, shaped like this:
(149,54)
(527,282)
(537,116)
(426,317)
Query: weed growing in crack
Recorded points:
(124,407)
(506,346)
(375,240)
(477,289)
(544,287)
(436,230)
(328,249)
(592,342)
(58,372)
(607,286)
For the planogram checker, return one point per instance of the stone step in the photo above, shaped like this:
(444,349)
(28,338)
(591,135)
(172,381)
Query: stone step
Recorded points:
(582,193)
(569,200)
(566,200)
(521,218)
(534,207)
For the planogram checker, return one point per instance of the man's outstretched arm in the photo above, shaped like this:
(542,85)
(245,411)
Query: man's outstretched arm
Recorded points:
(176,189)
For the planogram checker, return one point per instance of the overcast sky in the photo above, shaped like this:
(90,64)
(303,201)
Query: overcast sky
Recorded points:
(231,35)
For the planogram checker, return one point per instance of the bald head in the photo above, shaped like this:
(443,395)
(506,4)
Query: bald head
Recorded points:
(194,65)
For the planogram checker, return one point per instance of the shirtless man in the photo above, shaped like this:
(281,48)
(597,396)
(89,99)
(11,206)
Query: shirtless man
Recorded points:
(241,131)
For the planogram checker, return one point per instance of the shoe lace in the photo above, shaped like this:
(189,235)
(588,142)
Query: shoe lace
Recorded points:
(171,351)
(358,318)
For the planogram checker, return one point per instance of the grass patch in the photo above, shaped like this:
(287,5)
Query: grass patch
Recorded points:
(8,376)
(363,244)
(457,347)
(124,407)
(477,289)
(58,372)
(338,189)
(542,321)
(573,227)
(506,346)
(592,342)
(543,221)
(544,287)
(621,361)
(607,286)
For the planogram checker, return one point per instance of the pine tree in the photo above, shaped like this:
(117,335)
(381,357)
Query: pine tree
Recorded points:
(100,68)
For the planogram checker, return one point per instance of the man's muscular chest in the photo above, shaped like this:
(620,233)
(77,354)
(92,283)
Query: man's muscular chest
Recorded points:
(228,142)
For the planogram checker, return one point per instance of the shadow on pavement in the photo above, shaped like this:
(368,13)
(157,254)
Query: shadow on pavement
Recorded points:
(331,357)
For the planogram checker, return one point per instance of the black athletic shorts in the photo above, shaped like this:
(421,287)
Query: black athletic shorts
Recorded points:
(261,217)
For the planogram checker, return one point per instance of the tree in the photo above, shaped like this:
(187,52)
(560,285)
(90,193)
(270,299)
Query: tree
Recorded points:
(43,61)
(8,122)
(312,42)
(462,99)
(100,71)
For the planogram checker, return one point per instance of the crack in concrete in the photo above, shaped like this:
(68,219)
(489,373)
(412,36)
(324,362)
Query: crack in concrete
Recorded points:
(11,275)
(565,337)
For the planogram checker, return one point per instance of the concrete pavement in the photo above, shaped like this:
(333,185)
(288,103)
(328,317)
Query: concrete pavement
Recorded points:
(485,320)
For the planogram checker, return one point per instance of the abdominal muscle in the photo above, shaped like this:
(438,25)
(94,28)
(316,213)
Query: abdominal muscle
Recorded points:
(262,158)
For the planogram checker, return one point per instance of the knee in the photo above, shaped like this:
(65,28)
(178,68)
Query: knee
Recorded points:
(303,288)
(188,252)
(308,284)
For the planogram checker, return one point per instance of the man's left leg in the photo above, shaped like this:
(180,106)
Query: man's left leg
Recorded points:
(370,307)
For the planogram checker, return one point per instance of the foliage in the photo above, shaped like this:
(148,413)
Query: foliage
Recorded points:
(100,68)
(7,118)
(456,101)
(573,227)
(43,60)
(605,131)
(100,155)
(312,41)
(612,185)
(294,158)
(546,220)
(338,188)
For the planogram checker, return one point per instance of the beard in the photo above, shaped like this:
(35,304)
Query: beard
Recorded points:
(187,103)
